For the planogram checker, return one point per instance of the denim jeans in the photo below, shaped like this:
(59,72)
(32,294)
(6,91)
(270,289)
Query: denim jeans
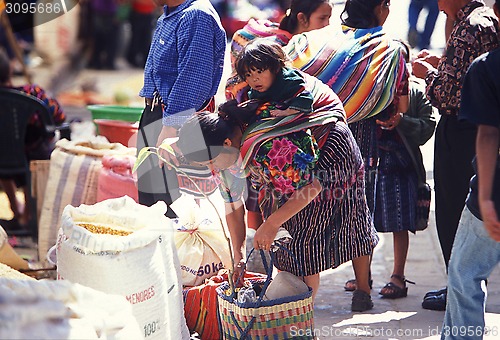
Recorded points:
(473,258)
(414,10)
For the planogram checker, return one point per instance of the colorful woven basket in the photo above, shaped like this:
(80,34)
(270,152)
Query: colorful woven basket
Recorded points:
(284,318)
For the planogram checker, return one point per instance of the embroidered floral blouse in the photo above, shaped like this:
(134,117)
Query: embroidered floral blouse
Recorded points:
(281,166)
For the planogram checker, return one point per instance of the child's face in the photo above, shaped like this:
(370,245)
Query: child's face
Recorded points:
(259,80)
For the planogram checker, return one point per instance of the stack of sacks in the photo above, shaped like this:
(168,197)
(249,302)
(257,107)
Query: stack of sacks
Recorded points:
(60,310)
(120,247)
(73,177)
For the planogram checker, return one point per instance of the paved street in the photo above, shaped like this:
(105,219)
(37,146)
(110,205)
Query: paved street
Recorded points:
(390,319)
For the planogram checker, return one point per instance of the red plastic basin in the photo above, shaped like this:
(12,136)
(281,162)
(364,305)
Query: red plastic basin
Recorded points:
(118,131)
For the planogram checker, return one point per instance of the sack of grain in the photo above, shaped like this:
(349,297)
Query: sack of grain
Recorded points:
(199,238)
(120,247)
(73,174)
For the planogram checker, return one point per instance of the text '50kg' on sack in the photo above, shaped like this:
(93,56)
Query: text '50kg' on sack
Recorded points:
(120,247)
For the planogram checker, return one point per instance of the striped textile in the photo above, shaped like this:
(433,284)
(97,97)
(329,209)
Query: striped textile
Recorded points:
(261,28)
(363,66)
(327,108)
(336,226)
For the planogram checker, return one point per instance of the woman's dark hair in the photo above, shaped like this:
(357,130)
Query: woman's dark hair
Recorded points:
(360,13)
(290,22)
(260,54)
(202,137)
(4,67)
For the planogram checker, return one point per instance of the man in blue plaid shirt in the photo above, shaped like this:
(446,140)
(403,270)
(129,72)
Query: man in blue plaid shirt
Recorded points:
(183,68)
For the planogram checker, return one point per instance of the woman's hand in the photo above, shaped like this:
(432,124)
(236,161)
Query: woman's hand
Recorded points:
(264,236)
(420,68)
(167,132)
(391,123)
(239,274)
(429,57)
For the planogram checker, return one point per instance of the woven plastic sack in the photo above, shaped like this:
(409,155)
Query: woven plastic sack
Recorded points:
(73,174)
(116,178)
(141,266)
(281,318)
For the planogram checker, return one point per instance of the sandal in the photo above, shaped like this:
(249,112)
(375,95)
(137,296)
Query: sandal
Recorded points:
(361,301)
(350,285)
(394,291)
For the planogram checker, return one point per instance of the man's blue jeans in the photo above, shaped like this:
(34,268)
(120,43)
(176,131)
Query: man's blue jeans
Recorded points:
(473,258)
(414,10)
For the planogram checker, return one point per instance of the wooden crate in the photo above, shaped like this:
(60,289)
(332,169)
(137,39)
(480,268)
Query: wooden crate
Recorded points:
(39,177)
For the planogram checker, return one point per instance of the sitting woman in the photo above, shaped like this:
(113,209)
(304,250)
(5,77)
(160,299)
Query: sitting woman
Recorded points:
(308,172)
(37,144)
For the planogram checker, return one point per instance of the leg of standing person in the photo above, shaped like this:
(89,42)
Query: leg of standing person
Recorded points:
(99,40)
(453,152)
(154,183)
(135,39)
(475,254)
(396,288)
(430,23)
(414,10)
(364,133)
(145,32)
(313,282)
(401,241)
(113,28)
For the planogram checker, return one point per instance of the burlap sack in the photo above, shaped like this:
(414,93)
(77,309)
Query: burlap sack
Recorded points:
(73,174)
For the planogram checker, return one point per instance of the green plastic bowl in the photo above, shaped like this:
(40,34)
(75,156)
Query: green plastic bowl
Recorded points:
(115,112)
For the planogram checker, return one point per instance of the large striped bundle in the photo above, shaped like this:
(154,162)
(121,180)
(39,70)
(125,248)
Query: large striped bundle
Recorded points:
(73,177)
(257,29)
(363,66)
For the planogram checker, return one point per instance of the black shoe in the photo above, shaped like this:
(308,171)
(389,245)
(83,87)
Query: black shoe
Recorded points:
(361,301)
(436,292)
(435,302)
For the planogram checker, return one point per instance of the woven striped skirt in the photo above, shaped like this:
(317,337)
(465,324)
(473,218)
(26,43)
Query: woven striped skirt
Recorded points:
(336,226)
